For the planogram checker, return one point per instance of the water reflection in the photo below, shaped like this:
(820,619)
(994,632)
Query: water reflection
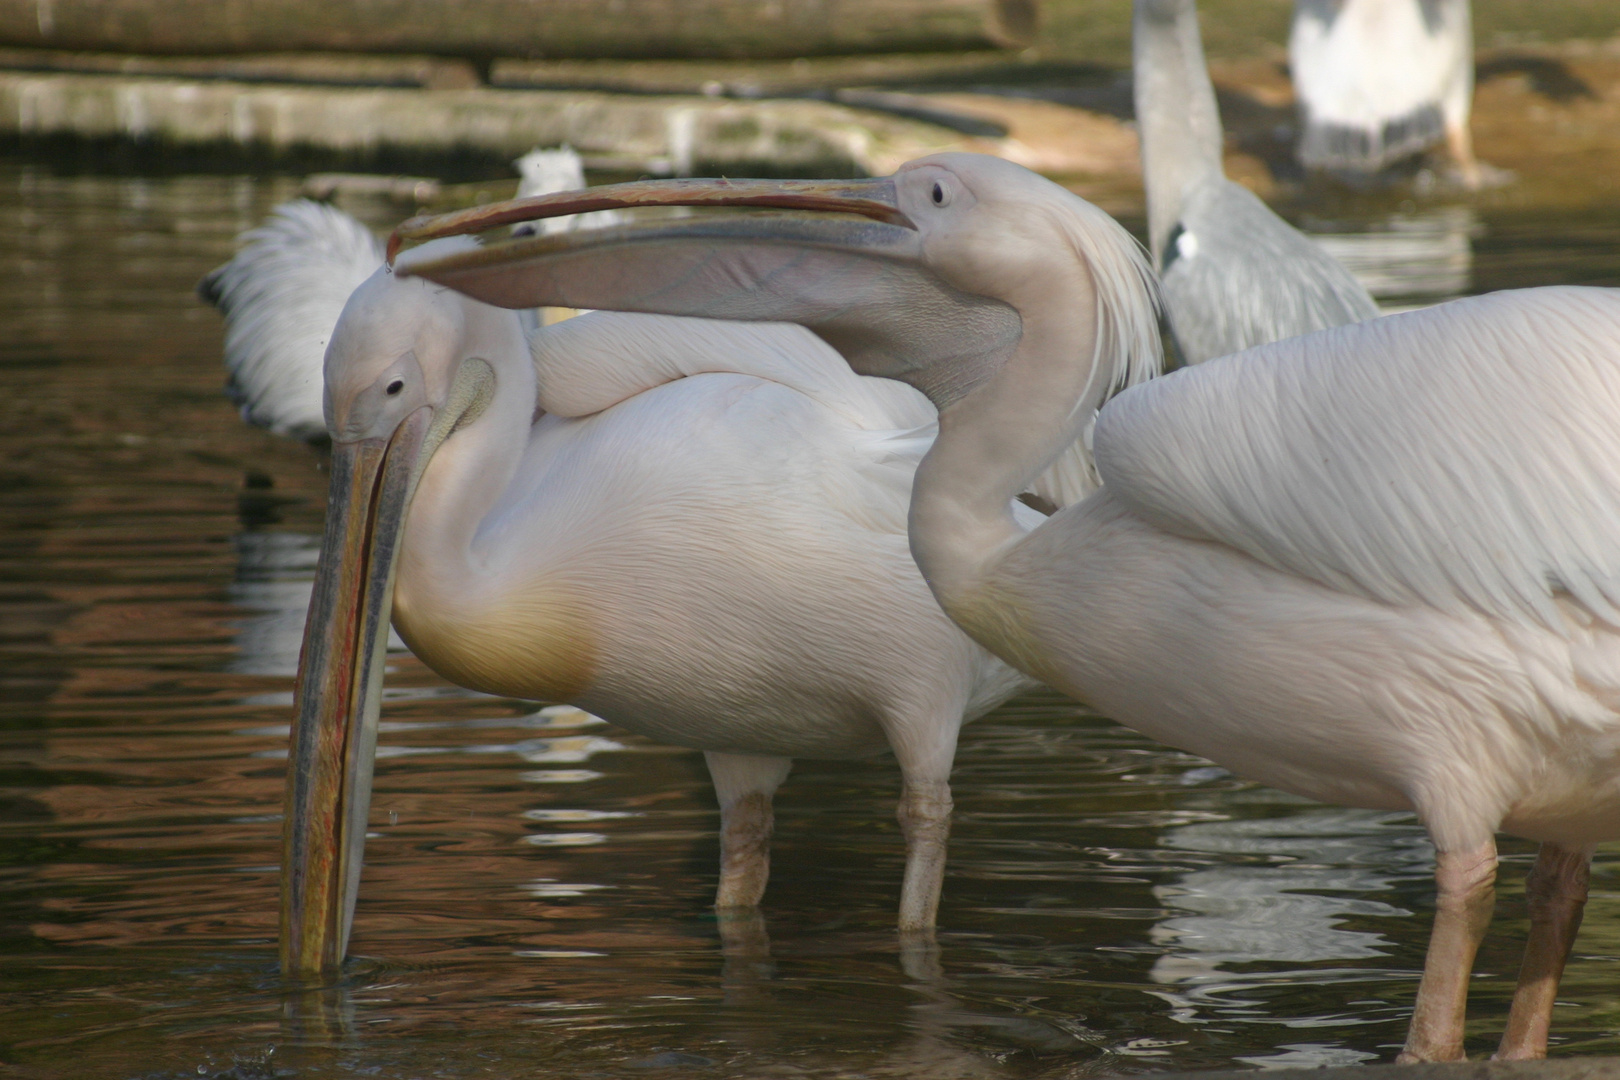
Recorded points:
(1409,259)
(536,895)
(1276,909)
(274,575)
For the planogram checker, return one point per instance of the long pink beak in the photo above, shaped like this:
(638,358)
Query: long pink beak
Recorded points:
(873,199)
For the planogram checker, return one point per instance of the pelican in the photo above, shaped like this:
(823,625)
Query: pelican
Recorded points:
(692,528)
(1234,274)
(1381,80)
(281,295)
(283,291)
(1373,565)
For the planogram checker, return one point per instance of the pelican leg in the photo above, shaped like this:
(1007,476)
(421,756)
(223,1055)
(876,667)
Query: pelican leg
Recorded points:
(925,821)
(925,750)
(1556,890)
(745,784)
(1466,882)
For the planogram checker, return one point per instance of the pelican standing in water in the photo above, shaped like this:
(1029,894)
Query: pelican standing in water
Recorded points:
(694,529)
(1234,273)
(1381,80)
(1374,565)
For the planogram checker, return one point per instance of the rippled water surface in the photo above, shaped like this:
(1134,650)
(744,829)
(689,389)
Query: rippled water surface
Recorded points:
(535,901)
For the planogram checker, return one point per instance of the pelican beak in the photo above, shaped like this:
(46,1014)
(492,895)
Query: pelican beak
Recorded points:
(853,271)
(334,735)
(869,198)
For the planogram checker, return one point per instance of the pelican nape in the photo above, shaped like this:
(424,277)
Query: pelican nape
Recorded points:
(1382,555)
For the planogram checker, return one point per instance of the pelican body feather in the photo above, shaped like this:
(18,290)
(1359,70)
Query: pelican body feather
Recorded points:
(1380,80)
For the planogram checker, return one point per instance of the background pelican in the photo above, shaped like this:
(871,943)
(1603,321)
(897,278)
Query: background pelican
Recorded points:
(1372,565)
(282,294)
(1234,273)
(536,558)
(1381,80)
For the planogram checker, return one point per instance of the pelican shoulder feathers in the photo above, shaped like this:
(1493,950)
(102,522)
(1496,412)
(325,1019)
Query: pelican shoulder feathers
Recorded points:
(592,362)
(1443,457)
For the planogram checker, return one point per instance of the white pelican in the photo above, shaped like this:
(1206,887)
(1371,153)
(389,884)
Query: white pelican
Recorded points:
(1380,80)
(283,291)
(1234,273)
(1375,565)
(694,529)
(281,295)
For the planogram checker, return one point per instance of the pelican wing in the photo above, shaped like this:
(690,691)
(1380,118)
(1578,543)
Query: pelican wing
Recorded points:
(281,296)
(589,363)
(1465,456)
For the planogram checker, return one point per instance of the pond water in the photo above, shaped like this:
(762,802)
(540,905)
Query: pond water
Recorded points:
(536,896)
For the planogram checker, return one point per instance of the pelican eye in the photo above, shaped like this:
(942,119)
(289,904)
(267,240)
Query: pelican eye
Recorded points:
(395,387)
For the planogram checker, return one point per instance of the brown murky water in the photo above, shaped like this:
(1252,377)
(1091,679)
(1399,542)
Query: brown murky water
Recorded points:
(536,894)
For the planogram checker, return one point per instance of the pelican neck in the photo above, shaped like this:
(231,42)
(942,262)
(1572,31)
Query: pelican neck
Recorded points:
(464,482)
(994,441)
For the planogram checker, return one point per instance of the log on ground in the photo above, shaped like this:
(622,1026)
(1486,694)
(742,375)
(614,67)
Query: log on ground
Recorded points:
(486,29)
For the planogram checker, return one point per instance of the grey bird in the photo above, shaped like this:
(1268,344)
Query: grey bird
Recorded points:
(1235,274)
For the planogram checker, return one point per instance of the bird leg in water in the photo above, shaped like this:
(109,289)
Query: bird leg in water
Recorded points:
(925,820)
(1556,891)
(745,784)
(1460,144)
(1466,882)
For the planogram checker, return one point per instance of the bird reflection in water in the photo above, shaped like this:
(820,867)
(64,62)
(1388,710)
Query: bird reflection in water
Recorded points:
(1407,260)
(274,573)
(1275,906)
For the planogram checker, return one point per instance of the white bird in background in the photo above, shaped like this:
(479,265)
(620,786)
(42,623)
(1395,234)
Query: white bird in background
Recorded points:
(1381,80)
(1374,565)
(694,529)
(282,294)
(1234,273)
(562,169)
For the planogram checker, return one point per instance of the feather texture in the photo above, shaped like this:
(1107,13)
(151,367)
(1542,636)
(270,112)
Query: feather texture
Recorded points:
(1379,80)
(1236,275)
(281,295)
(1443,457)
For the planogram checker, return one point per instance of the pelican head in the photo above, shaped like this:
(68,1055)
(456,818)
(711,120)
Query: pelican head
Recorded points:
(929,276)
(408,363)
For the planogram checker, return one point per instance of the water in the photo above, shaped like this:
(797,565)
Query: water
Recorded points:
(536,893)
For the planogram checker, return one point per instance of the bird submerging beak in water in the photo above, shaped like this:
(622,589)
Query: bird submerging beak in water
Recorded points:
(692,528)
(1374,565)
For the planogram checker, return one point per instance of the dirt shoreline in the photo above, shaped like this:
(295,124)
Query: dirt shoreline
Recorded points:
(1549,115)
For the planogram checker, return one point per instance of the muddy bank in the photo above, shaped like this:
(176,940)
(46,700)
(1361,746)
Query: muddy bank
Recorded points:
(1548,116)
